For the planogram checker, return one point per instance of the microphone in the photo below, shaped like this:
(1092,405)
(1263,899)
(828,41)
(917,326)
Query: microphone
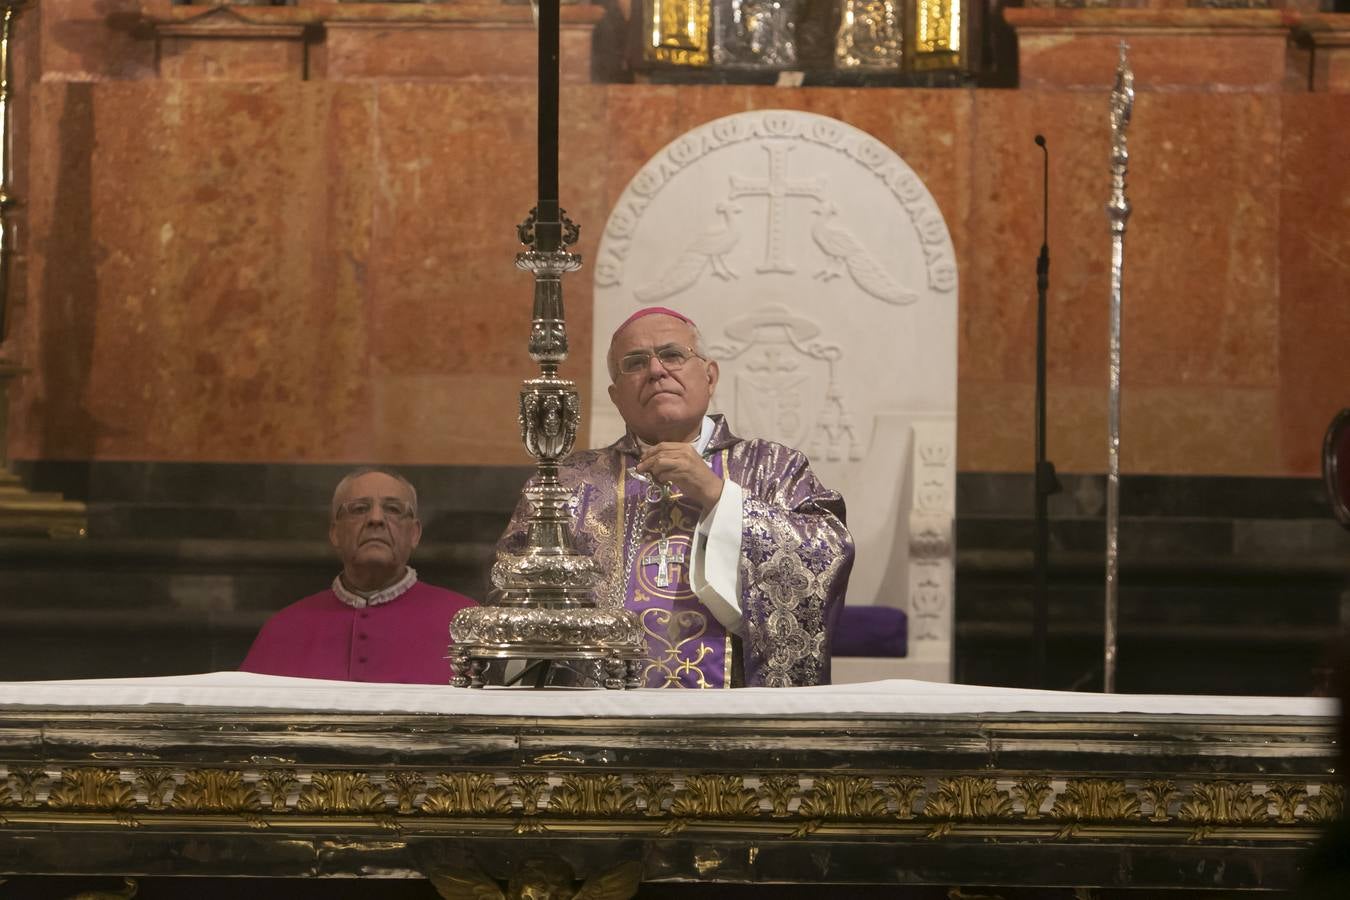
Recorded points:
(1044,261)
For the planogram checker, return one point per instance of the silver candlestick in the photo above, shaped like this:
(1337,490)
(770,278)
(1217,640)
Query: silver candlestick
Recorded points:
(542,607)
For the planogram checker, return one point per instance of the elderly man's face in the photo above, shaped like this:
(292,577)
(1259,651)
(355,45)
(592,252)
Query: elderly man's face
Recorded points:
(659,403)
(375,530)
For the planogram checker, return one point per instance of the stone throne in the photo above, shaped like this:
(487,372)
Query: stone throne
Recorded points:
(823,278)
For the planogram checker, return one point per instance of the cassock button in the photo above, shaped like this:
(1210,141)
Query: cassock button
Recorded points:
(360,659)
(361,636)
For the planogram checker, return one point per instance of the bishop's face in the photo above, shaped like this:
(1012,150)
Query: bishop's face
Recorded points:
(659,403)
(375,530)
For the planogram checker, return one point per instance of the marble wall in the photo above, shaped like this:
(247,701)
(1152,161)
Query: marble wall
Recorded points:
(321,270)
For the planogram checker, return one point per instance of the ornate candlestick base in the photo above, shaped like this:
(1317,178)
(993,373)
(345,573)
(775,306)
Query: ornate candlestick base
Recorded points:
(537,633)
(543,605)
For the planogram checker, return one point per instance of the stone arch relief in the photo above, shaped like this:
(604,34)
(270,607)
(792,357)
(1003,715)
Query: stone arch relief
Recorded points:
(823,277)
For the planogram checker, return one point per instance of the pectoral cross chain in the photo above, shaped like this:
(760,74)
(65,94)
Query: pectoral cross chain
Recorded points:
(664,557)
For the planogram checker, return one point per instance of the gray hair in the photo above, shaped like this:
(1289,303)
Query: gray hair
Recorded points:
(370,470)
(613,363)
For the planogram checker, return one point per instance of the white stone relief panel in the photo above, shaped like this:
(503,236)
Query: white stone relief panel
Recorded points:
(822,275)
(932,548)
(782,384)
(846,251)
(706,253)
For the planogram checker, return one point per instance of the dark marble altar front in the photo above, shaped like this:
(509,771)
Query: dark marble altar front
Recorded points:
(1048,802)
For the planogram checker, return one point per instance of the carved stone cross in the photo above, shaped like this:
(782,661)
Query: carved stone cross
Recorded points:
(778,188)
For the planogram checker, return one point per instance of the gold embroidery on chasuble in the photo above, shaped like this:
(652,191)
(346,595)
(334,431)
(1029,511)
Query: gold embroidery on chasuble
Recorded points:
(687,647)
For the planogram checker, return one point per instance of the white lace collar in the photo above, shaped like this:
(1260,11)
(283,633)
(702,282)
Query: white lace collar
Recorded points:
(361,600)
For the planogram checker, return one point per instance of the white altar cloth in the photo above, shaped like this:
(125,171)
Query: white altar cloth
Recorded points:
(242,690)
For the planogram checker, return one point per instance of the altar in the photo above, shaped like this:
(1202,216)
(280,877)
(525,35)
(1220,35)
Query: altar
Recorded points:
(887,783)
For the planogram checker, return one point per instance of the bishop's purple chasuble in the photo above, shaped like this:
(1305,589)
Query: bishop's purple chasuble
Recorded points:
(795,558)
(402,641)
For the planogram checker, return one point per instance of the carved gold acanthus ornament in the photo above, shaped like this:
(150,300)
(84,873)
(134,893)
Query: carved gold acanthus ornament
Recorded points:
(786,805)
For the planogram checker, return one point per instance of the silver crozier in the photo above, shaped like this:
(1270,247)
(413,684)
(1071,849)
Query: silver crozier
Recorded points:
(1118,211)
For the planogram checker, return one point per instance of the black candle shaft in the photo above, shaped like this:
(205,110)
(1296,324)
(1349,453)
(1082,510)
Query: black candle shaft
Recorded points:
(1046,482)
(549,230)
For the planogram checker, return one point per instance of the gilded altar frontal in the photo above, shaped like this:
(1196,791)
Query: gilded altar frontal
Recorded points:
(685,449)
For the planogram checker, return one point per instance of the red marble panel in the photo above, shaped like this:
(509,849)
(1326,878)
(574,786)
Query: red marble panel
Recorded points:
(470,419)
(92,40)
(1164,430)
(639,124)
(1170,49)
(470,51)
(993,427)
(199,58)
(1250,62)
(1314,244)
(1331,68)
(446,299)
(998,295)
(1201,292)
(1201,249)
(324,271)
(450,297)
(200,274)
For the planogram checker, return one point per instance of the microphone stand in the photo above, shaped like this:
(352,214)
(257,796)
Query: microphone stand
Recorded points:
(1046,482)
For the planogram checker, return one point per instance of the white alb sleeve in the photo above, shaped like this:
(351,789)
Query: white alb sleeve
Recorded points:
(715,558)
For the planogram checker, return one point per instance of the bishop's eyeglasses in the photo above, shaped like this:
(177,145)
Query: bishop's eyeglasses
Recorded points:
(671,356)
(392,507)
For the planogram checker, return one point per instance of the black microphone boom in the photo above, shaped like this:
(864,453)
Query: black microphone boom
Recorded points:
(1045,481)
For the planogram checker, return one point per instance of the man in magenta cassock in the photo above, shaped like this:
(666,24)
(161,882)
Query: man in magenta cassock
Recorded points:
(732,555)
(377,622)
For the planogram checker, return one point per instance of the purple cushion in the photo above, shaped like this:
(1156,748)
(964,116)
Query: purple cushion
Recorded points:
(870,631)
